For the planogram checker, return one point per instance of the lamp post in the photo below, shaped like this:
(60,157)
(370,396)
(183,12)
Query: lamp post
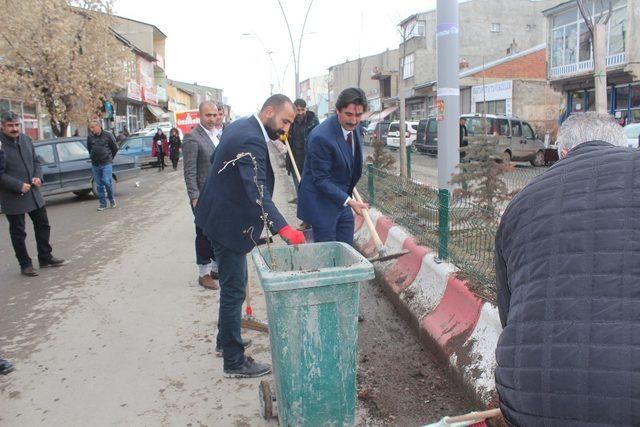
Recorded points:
(269,53)
(296,55)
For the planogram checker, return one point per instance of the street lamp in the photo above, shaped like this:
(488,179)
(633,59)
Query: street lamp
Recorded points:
(296,55)
(269,53)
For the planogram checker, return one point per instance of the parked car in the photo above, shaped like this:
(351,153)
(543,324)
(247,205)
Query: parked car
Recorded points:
(632,132)
(514,138)
(139,147)
(376,131)
(151,129)
(393,135)
(66,167)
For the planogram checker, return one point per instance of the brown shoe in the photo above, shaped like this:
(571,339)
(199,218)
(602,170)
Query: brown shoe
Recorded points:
(28,271)
(208,282)
(214,275)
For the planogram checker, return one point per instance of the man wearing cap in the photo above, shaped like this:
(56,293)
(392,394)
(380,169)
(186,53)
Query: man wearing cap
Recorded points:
(20,194)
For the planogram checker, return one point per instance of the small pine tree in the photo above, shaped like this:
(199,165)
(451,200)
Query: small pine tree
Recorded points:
(480,178)
(381,158)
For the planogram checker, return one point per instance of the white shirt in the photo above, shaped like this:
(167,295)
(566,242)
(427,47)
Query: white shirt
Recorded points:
(218,131)
(213,135)
(264,131)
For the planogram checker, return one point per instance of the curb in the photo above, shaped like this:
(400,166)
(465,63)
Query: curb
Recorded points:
(462,328)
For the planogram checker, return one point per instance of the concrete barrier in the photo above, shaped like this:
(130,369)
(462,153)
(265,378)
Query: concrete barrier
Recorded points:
(462,328)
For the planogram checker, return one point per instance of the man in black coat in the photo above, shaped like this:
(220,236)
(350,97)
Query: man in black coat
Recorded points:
(20,193)
(102,149)
(5,365)
(568,280)
(299,132)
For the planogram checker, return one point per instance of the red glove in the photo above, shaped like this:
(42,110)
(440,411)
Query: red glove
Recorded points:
(291,236)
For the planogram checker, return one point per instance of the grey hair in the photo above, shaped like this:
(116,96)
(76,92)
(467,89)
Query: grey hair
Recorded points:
(590,126)
(95,122)
(209,103)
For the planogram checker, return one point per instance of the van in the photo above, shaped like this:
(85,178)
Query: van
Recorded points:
(513,137)
(393,136)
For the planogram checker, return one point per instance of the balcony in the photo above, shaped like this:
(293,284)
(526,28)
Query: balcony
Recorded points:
(585,66)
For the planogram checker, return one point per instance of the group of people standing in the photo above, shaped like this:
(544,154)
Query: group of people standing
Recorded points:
(162,146)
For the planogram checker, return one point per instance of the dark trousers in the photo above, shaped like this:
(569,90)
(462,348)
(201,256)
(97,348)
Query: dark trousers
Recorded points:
(174,162)
(160,157)
(232,270)
(204,250)
(341,230)
(18,235)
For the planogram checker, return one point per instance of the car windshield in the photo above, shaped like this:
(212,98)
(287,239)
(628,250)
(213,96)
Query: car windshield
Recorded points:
(632,131)
(479,125)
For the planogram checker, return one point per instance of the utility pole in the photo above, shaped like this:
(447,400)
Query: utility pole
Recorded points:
(448,92)
(598,29)
(402,126)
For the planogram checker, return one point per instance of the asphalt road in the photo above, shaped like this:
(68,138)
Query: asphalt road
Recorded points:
(124,335)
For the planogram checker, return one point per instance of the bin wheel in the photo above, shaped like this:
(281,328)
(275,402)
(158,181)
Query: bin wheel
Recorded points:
(268,408)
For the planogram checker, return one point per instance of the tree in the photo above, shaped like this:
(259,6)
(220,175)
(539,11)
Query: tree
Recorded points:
(62,53)
(480,178)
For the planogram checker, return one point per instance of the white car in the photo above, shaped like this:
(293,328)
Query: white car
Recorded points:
(632,132)
(393,136)
(152,128)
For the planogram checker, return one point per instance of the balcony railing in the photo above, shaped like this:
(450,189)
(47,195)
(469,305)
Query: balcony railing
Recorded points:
(585,66)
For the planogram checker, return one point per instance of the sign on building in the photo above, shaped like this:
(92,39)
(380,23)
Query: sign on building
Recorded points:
(186,120)
(497,96)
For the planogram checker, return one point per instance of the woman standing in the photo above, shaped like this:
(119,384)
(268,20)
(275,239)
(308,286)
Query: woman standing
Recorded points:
(174,147)
(160,148)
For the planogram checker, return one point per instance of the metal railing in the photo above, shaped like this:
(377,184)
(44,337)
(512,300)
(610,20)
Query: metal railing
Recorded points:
(584,66)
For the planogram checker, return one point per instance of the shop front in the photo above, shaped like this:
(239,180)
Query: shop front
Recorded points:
(623,102)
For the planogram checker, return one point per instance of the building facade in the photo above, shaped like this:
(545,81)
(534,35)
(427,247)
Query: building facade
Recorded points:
(315,92)
(570,58)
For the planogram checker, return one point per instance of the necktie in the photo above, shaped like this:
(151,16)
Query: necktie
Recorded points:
(350,142)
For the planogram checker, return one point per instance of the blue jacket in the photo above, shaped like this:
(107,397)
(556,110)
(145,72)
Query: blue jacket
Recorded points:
(227,209)
(329,175)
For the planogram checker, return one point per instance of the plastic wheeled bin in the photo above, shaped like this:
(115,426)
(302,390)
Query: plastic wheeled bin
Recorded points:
(312,294)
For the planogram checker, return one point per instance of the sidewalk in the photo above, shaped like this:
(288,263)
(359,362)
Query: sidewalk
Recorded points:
(136,347)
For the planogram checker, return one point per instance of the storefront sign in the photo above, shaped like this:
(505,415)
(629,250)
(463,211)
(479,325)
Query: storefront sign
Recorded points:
(492,92)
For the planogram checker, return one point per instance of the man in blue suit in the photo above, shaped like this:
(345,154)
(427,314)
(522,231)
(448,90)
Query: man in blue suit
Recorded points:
(229,214)
(332,169)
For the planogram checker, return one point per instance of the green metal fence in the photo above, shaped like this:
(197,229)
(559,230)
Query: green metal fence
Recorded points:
(459,231)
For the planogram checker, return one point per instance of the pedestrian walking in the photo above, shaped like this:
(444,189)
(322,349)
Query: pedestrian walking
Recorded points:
(160,148)
(102,149)
(20,194)
(332,169)
(230,211)
(174,147)
(197,152)
(301,127)
(568,285)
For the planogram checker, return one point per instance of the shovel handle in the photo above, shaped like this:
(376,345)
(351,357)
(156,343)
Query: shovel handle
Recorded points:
(293,161)
(474,416)
(367,220)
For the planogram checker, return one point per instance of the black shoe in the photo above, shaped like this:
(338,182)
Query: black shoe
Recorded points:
(245,342)
(28,271)
(249,369)
(52,262)
(5,366)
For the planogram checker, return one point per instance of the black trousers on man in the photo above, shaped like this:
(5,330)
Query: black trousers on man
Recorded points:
(42,232)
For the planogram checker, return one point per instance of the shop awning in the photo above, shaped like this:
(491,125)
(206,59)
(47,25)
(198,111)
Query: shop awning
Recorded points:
(158,112)
(376,117)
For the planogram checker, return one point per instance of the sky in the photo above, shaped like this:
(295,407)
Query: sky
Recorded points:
(224,44)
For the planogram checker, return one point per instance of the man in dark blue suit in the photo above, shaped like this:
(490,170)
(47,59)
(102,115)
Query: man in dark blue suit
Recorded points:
(332,169)
(229,214)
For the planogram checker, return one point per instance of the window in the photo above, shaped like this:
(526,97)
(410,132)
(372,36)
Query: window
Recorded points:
(479,125)
(407,67)
(622,97)
(44,154)
(495,27)
(516,128)
(577,101)
(493,107)
(70,151)
(432,127)
(586,48)
(415,29)
(617,31)
(527,131)
(502,127)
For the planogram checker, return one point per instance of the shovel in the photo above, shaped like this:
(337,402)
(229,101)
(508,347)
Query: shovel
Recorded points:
(466,419)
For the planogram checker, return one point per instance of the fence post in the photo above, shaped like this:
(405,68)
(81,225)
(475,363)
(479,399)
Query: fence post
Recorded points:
(372,192)
(443,224)
(409,161)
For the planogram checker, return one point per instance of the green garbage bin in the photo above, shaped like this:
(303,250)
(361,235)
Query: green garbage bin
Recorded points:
(312,297)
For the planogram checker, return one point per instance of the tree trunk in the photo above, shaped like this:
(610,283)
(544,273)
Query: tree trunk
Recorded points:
(402,126)
(600,67)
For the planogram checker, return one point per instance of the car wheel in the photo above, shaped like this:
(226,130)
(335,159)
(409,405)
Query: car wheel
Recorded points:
(506,157)
(538,159)
(82,193)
